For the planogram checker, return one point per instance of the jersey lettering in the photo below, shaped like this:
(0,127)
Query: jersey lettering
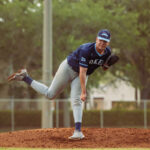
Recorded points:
(96,62)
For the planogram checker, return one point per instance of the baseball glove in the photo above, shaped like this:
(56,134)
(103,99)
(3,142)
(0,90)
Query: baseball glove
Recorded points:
(111,60)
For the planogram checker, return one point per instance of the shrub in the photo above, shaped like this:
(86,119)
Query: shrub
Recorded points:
(112,118)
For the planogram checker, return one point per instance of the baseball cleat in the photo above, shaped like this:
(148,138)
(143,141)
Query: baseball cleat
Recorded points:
(19,75)
(77,135)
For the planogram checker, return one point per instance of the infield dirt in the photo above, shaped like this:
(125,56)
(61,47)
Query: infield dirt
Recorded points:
(94,138)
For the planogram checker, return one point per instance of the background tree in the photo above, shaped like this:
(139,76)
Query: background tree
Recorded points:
(21,37)
(135,59)
(76,22)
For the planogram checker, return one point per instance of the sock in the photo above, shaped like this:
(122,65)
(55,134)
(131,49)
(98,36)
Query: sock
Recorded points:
(78,126)
(28,80)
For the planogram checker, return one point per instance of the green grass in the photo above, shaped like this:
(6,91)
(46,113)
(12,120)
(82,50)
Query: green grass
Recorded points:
(75,149)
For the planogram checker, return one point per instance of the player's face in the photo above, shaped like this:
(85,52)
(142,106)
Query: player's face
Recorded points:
(101,44)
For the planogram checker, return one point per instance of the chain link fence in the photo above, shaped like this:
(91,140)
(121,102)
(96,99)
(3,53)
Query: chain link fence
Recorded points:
(16,114)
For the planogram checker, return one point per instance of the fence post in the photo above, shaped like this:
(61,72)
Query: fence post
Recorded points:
(57,113)
(101,114)
(145,113)
(12,114)
(101,118)
(66,113)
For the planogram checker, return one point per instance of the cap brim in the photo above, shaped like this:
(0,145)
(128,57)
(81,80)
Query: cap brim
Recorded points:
(101,38)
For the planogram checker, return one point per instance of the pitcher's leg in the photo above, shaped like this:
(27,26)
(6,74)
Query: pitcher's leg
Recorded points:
(39,87)
(60,81)
(64,75)
(76,102)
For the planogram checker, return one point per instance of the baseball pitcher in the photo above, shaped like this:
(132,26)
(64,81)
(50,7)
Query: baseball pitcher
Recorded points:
(75,70)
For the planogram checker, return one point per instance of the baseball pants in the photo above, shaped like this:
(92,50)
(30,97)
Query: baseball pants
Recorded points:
(64,75)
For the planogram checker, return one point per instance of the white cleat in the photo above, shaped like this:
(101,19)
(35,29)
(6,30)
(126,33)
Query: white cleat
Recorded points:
(19,75)
(77,135)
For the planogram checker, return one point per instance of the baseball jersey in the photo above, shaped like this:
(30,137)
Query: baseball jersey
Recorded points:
(88,57)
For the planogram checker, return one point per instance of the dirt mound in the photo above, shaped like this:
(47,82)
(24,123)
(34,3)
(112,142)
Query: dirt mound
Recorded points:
(95,138)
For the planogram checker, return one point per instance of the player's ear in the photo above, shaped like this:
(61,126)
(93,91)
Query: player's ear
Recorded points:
(108,43)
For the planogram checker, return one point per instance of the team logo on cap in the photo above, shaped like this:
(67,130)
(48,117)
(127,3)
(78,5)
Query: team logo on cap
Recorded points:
(83,59)
(104,34)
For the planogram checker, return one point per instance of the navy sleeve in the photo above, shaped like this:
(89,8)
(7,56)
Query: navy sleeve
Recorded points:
(84,58)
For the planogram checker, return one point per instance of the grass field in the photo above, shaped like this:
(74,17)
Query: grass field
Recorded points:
(75,149)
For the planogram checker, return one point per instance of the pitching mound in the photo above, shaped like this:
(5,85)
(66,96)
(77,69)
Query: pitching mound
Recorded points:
(95,138)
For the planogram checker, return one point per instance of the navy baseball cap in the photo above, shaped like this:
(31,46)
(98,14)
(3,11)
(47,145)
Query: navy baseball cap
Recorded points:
(104,35)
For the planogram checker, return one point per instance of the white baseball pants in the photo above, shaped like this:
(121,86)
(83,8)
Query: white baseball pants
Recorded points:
(64,75)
